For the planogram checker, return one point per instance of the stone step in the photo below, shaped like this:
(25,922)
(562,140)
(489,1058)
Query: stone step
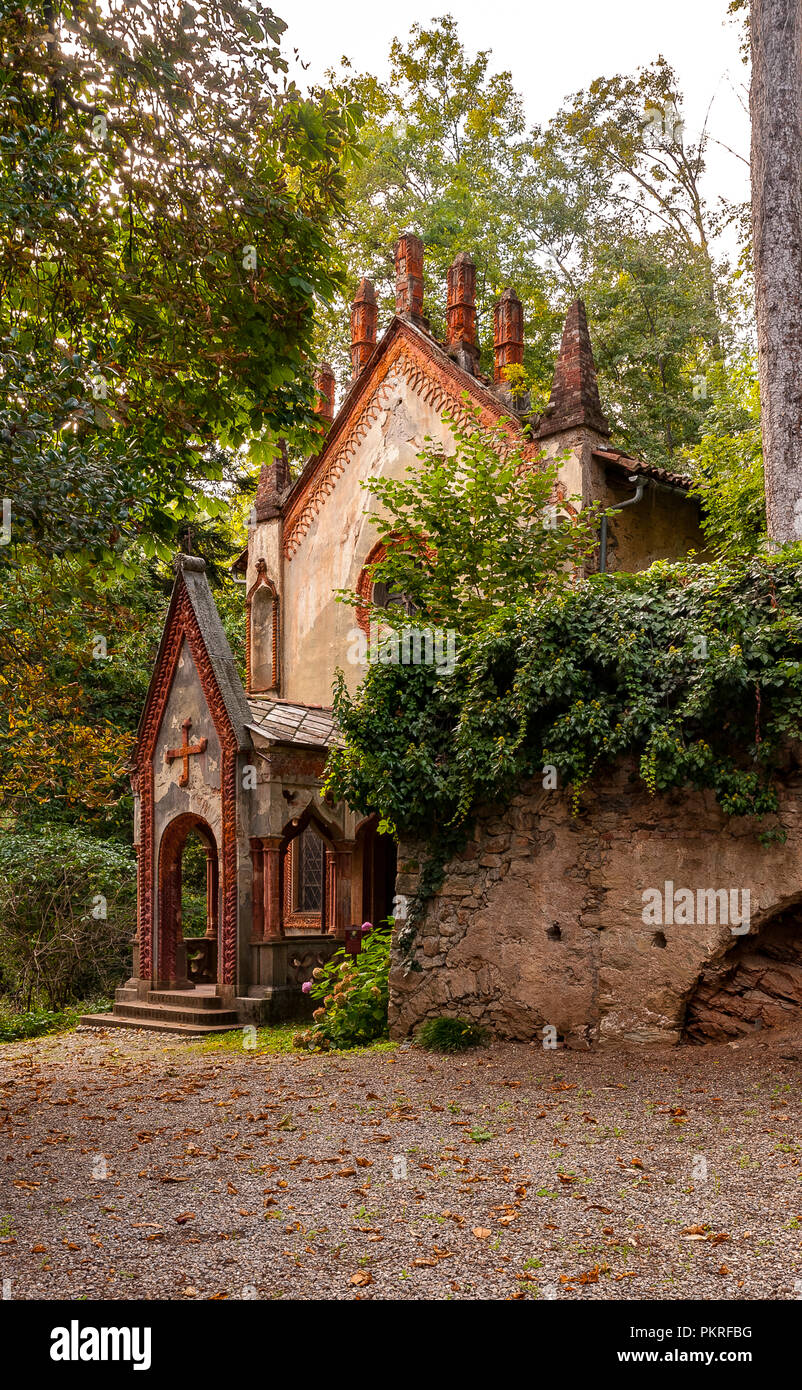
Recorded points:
(150,1025)
(182,999)
(125,992)
(177,1014)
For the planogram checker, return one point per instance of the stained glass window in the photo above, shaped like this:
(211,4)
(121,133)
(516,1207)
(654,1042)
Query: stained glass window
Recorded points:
(311,870)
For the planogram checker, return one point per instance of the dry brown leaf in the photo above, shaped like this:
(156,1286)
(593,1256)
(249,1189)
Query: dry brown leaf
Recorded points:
(361,1278)
(481,1232)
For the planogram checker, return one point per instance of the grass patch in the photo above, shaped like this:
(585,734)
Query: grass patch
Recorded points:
(277,1039)
(38,1023)
(450,1035)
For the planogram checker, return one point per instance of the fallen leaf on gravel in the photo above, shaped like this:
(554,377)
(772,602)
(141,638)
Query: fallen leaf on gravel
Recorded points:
(481,1232)
(698,1231)
(567,1177)
(425,1264)
(184,1217)
(38,1249)
(591,1277)
(189,1291)
(168,1177)
(361,1278)
(718,1239)
(232,1190)
(724,1270)
(606,1211)
(346,1172)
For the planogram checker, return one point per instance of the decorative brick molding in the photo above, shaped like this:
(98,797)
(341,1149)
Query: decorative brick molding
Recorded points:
(434,378)
(364,585)
(183,626)
(262,580)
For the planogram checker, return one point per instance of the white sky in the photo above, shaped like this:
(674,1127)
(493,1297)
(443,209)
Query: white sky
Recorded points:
(554,48)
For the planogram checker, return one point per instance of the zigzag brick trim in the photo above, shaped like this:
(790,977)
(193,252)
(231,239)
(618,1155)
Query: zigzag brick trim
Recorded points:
(438,385)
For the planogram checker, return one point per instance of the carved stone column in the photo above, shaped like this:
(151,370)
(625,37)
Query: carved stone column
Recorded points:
(271,845)
(257,890)
(343,860)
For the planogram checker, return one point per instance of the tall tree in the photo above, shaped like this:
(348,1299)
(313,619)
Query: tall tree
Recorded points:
(776,107)
(165,198)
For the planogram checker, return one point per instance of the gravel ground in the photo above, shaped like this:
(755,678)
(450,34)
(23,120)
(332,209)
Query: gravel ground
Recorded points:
(139,1166)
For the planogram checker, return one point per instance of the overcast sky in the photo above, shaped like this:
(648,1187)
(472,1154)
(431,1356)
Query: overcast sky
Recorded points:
(553,49)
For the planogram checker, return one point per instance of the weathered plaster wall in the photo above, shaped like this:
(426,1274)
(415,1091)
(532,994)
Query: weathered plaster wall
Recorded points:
(539,920)
(333,552)
(663,525)
(202,793)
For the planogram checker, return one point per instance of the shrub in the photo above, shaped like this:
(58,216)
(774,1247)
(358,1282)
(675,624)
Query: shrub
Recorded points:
(354,991)
(67,909)
(450,1035)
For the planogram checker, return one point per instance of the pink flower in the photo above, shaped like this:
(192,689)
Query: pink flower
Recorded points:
(306,987)
(366,927)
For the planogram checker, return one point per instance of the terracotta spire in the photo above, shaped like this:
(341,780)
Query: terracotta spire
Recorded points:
(574,397)
(364,313)
(409,278)
(508,333)
(462,307)
(274,480)
(324,399)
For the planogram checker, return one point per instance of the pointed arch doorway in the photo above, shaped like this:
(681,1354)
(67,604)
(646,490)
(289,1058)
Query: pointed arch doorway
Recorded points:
(187,959)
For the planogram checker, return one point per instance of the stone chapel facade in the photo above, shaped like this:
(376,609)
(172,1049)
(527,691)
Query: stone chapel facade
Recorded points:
(241,765)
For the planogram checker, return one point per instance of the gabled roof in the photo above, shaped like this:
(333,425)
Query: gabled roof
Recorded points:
(430,371)
(192,586)
(647,470)
(311,726)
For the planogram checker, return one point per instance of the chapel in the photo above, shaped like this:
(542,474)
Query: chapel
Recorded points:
(238,766)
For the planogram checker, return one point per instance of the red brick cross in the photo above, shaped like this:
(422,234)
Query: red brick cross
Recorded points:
(185,752)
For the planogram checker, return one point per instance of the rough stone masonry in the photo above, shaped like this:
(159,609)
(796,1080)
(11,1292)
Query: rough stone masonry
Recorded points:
(540,922)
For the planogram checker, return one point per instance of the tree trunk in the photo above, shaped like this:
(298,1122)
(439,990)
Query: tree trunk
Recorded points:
(776,108)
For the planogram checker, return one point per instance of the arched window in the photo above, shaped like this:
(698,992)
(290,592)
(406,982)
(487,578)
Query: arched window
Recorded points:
(262,624)
(305,881)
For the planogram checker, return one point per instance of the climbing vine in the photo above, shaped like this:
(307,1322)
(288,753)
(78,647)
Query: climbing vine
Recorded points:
(693,669)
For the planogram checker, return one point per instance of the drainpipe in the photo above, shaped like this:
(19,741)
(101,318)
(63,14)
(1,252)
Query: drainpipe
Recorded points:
(641,482)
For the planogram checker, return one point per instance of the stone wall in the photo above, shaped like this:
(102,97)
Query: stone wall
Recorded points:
(540,920)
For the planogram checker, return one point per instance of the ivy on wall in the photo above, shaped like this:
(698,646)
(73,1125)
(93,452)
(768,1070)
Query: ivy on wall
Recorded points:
(694,669)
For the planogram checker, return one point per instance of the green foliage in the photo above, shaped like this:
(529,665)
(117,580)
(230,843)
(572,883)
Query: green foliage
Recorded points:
(35,1023)
(67,907)
(443,148)
(467,533)
(692,670)
(727,463)
(450,1035)
(166,202)
(354,991)
(605,200)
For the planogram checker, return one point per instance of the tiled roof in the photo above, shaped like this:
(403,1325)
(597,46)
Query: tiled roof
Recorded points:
(647,470)
(309,725)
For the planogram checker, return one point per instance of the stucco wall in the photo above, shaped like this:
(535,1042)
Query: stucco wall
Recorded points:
(540,919)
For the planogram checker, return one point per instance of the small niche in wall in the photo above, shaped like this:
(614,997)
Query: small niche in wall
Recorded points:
(553,932)
(659,939)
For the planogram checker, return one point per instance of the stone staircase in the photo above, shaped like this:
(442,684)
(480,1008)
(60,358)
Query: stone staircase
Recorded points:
(195,1012)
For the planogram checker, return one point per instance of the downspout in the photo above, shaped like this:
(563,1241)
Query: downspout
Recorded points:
(633,478)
